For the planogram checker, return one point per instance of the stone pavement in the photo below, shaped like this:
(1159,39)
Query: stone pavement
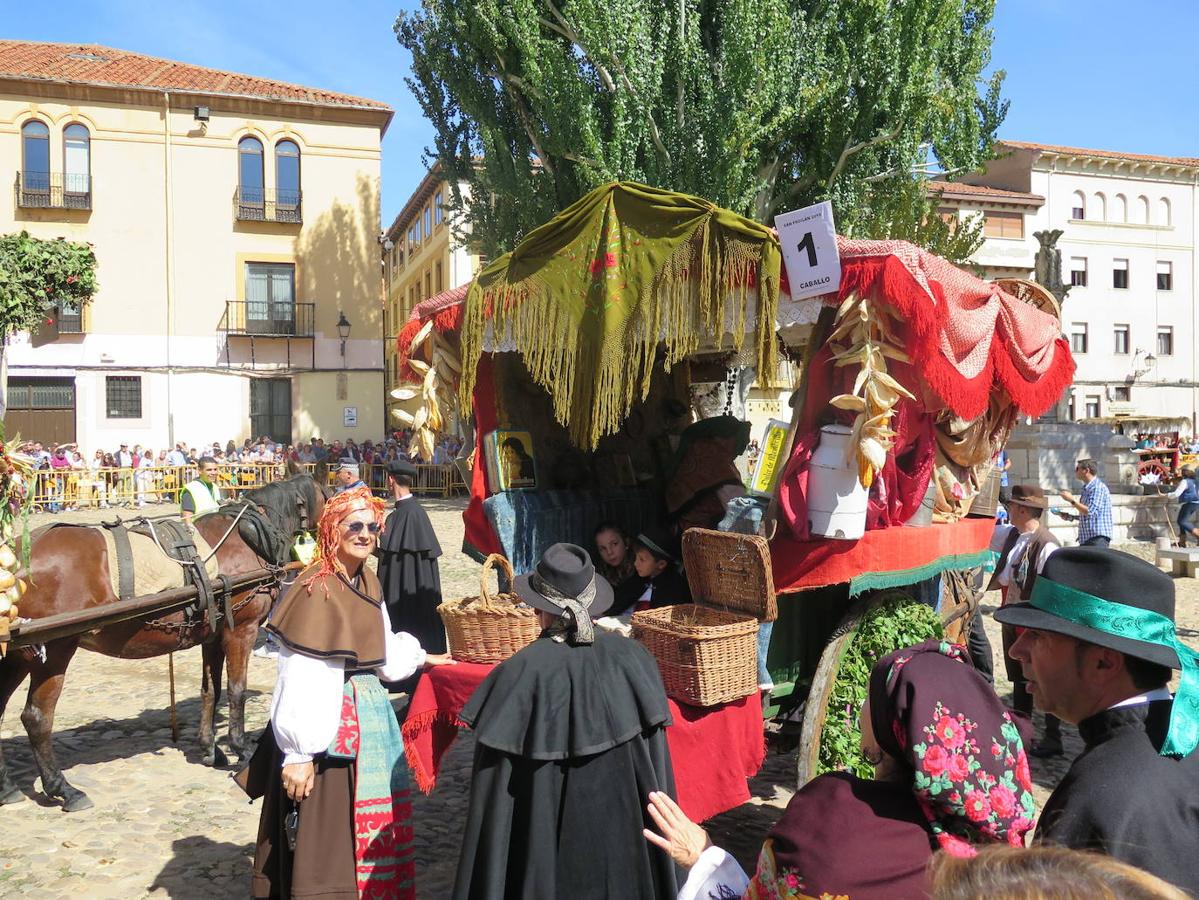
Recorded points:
(165,826)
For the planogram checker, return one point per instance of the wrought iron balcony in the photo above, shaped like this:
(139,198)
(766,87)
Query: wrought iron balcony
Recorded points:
(53,190)
(262,318)
(261,205)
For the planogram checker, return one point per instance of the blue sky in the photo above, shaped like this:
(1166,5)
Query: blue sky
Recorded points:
(1088,73)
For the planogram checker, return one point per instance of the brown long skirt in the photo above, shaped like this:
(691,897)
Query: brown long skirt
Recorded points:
(322,864)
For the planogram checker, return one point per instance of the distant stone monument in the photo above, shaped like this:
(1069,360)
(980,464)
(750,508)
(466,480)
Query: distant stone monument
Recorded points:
(1048,264)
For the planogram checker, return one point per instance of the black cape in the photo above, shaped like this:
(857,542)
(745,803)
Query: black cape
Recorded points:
(408,552)
(569,741)
(1123,799)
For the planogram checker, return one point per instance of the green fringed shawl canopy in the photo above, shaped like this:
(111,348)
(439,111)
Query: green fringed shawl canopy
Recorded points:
(588,296)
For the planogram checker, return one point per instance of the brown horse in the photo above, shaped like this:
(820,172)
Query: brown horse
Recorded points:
(70,572)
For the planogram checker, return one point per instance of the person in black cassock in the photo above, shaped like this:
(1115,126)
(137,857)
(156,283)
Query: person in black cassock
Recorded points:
(408,552)
(1097,647)
(569,738)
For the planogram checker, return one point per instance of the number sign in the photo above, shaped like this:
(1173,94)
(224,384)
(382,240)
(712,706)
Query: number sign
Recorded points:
(809,240)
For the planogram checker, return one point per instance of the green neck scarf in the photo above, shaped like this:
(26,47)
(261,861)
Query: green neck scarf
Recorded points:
(588,297)
(1125,621)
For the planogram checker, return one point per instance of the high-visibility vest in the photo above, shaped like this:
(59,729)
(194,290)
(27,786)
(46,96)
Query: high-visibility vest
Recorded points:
(304,548)
(205,499)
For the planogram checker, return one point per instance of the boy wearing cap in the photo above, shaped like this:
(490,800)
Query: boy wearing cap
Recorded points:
(1023,548)
(569,736)
(1097,647)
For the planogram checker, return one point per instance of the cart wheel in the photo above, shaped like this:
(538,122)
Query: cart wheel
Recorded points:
(816,706)
(1153,467)
(959,605)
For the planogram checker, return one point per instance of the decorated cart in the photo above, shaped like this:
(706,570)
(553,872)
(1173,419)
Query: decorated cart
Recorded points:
(587,349)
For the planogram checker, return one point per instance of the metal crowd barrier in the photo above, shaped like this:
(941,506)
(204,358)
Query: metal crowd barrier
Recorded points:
(54,490)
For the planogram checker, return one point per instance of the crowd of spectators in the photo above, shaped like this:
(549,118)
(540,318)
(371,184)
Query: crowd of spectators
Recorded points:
(140,475)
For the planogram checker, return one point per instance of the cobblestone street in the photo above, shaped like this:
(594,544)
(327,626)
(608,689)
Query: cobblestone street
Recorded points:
(163,825)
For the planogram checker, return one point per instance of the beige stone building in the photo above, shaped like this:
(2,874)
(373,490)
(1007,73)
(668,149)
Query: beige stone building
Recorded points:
(421,258)
(235,222)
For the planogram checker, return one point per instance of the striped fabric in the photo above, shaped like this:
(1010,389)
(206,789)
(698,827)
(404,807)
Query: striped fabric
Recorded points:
(370,735)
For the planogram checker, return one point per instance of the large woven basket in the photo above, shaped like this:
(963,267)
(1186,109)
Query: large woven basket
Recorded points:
(488,628)
(709,655)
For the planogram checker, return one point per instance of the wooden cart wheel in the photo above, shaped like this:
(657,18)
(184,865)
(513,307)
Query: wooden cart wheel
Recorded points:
(1154,467)
(959,605)
(816,706)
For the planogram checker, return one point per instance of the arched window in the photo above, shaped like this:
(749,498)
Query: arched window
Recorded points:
(1100,208)
(287,176)
(35,156)
(250,178)
(1120,208)
(77,159)
(1141,210)
(1163,213)
(1078,206)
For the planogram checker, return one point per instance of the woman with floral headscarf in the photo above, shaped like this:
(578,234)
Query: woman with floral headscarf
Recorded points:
(331,765)
(950,773)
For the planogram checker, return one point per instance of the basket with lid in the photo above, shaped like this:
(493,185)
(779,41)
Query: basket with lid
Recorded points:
(488,628)
(707,651)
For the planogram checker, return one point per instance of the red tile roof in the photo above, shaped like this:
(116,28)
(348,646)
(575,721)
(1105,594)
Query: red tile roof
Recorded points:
(94,64)
(1188,161)
(982,190)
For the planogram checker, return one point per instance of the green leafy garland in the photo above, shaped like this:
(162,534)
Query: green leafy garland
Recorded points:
(897,621)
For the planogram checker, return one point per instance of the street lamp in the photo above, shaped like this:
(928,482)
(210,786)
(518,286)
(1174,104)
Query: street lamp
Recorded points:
(1146,362)
(343,331)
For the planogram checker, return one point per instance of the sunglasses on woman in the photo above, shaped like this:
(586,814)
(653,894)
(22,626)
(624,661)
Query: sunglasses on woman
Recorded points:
(356,527)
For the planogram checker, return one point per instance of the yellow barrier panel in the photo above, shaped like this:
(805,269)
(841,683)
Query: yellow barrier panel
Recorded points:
(68,489)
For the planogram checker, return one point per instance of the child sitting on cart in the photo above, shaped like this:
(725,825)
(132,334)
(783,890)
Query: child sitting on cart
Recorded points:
(658,579)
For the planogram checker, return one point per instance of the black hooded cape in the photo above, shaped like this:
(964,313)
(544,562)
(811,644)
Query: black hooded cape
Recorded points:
(1122,798)
(408,552)
(569,741)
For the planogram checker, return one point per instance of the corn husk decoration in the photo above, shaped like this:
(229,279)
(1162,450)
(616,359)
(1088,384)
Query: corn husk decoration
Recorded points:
(861,336)
(439,375)
(16,470)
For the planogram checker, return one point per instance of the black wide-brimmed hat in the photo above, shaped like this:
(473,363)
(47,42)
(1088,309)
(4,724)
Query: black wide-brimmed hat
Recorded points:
(1108,575)
(661,543)
(399,468)
(564,571)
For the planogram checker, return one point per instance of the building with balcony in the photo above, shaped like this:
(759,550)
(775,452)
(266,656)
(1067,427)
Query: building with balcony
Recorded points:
(235,224)
(1128,223)
(424,253)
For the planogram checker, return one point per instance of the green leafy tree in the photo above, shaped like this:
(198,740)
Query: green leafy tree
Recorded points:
(37,279)
(758,105)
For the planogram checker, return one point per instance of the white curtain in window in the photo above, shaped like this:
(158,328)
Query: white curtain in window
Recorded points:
(75,157)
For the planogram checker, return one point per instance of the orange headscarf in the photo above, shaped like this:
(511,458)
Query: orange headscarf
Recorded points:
(328,535)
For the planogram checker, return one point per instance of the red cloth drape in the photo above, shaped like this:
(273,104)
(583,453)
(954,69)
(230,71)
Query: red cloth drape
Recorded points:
(881,557)
(714,750)
(479,535)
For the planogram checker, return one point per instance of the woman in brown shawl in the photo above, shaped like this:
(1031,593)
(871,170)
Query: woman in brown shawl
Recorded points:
(331,765)
(951,773)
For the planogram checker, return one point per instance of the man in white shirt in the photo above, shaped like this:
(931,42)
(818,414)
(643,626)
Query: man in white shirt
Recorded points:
(1023,548)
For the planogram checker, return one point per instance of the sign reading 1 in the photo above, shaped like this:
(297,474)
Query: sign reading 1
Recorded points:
(809,241)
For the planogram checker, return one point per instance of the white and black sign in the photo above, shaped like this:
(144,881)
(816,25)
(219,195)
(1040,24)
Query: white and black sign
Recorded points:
(809,240)
(349,416)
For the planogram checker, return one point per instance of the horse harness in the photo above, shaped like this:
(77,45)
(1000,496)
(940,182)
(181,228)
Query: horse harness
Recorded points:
(174,538)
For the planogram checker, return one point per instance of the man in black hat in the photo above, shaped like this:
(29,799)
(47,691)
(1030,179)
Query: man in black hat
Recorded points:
(569,738)
(1023,548)
(1097,647)
(408,569)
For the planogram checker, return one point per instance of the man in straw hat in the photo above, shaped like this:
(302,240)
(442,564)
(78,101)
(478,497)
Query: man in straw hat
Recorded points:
(1023,548)
(569,739)
(1098,645)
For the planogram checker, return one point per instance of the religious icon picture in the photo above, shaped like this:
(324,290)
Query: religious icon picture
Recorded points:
(512,460)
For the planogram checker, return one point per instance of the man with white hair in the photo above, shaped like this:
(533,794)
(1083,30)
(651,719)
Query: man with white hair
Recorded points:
(347,476)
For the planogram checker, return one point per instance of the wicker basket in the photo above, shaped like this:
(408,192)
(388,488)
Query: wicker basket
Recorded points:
(488,628)
(709,655)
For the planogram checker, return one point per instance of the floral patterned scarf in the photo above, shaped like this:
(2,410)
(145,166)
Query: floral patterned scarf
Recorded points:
(970,774)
